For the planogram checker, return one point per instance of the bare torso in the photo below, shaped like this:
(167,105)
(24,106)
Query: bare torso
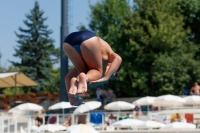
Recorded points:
(107,54)
(106,51)
(195,89)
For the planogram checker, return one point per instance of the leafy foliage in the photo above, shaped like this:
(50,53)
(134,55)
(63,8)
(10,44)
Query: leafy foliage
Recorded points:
(164,52)
(11,91)
(155,42)
(53,85)
(107,22)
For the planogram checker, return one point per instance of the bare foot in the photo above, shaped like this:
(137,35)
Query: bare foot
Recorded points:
(82,84)
(73,86)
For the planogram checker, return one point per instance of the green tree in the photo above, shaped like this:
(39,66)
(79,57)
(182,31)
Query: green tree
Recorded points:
(158,56)
(35,48)
(107,19)
(1,69)
(53,86)
(13,91)
(12,69)
(190,9)
(163,54)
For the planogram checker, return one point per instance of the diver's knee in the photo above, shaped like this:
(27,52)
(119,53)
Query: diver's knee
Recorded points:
(67,77)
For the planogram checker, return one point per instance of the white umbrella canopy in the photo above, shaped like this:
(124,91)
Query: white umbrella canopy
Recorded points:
(27,107)
(88,106)
(151,124)
(61,105)
(192,100)
(15,79)
(168,100)
(119,105)
(148,100)
(178,125)
(81,128)
(51,128)
(127,123)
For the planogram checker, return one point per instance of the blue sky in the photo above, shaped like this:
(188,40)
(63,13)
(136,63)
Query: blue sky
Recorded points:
(12,14)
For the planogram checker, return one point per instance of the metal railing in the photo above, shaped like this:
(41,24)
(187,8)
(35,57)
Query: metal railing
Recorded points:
(12,124)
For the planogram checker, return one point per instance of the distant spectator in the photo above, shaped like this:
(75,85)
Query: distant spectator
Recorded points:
(195,90)
(39,119)
(155,108)
(110,96)
(67,123)
(176,117)
(137,111)
(100,95)
(128,116)
(198,124)
(111,120)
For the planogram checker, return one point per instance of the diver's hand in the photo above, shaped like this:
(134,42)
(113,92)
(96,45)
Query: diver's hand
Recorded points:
(104,79)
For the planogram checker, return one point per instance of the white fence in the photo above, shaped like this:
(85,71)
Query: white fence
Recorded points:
(11,123)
